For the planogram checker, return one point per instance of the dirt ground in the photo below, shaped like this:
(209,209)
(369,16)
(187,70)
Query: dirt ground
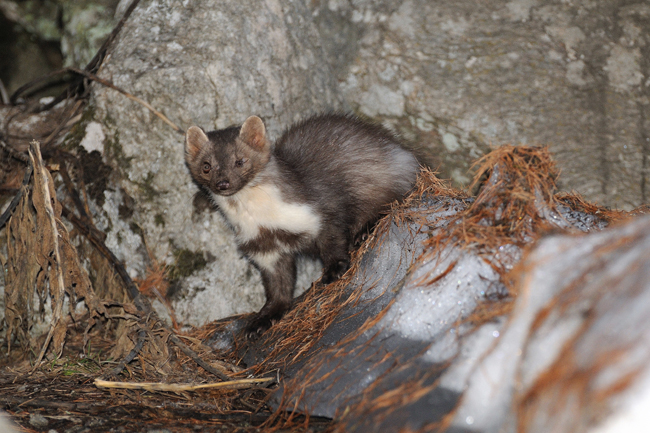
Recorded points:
(61,397)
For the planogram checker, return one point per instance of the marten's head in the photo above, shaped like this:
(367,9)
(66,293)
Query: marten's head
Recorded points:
(224,161)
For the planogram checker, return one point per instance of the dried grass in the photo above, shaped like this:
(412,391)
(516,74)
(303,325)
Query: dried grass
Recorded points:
(514,184)
(43,261)
(44,264)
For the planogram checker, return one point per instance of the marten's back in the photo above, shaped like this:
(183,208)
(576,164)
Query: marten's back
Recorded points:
(347,168)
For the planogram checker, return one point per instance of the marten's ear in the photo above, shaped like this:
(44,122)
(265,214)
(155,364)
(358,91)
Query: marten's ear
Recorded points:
(195,139)
(253,133)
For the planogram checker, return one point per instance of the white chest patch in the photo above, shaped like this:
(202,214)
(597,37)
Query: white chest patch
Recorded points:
(262,206)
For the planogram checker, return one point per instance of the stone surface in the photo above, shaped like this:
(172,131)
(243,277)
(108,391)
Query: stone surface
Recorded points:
(213,67)
(38,420)
(6,425)
(452,78)
(455,76)
(413,351)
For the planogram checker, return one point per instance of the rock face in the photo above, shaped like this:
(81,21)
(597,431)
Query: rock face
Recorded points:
(455,76)
(451,78)
(210,66)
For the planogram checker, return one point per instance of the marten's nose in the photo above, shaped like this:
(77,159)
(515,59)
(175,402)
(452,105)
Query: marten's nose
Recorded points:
(223,185)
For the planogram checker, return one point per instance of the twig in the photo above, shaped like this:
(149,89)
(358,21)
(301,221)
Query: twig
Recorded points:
(13,99)
(98,59)
(142,336)
(177,387)
(14,203)
(93,77)
(222,365)
(195,357)
(127,94)
(58,295)
(13,153)
(82,207)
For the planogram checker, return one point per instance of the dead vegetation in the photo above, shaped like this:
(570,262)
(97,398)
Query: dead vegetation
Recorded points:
(97,305)
(100,324)
(60,275)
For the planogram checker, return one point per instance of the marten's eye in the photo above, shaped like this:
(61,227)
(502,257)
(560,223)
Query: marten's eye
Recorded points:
(206,168)
(240,162)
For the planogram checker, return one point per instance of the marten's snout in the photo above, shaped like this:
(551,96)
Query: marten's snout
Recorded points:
(223,185)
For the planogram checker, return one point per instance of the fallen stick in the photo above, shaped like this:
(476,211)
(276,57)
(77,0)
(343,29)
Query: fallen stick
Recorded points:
(142,335)
(196,358)
(178,387)
(142,102)
(82,206)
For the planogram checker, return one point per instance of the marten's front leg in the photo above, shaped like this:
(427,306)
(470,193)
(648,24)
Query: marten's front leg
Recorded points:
(335,254)
(279,284)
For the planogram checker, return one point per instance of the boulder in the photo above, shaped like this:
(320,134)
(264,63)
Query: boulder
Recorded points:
(208,66)
(455,77)
(450,78)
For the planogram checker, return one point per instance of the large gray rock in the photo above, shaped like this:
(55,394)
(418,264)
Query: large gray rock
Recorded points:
(433,338)
(451,77)
(210,64)
(455,76)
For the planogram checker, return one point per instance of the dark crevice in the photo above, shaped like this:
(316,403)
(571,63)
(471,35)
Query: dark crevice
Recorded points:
(24,56)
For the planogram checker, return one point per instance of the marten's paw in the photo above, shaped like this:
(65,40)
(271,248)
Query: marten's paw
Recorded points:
(263,320)
(257,326)
(335,271)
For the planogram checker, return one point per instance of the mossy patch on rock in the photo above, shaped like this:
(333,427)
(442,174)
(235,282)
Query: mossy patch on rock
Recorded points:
(78,131)
(186,262)
(113,150)
(159,220)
